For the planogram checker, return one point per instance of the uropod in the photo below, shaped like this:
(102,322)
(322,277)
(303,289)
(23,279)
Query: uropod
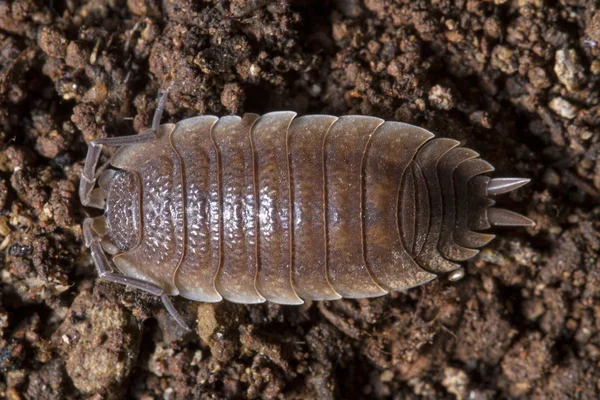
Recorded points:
(283,208)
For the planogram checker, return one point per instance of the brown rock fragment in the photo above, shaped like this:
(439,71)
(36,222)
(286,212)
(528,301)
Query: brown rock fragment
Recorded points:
(254,341)
(485,336)
(539,78)
(78,55)
(350,8)
(150,8)
(99,341)
(493,27)
(563,108)
(441,97)
(592,30)
(218,327)
(232,97)
(52,143)
(456,381)
(53,42)
(568,69)
(502,58)
(525,363)
(48,383)
(240,8)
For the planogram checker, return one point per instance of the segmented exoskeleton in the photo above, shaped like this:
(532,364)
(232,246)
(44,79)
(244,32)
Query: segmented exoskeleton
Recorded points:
(281,208)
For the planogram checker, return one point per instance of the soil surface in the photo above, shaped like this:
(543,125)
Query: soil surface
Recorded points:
(517,80)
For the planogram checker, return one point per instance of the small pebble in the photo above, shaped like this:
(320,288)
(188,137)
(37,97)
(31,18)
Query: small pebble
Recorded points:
(457,275)
(386,376)
(441,98)
(568,69)
(563,108)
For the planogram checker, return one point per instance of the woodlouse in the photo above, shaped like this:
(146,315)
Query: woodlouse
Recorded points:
(281,208)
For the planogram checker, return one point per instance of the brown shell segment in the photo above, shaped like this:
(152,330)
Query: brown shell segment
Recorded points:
(427,159)
(393,146)
(422,208)
(446,167)
(238,270)
(344,153)
(407,209)
(196,275)
(269,140)
(309,261)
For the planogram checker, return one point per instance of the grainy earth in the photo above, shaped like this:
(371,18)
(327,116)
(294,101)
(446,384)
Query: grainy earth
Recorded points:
(516,80)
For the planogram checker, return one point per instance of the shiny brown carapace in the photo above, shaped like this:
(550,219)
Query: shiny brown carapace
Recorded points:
(283,208)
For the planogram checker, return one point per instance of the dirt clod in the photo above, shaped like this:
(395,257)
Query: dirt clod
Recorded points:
(525,363)
(568,69)
(218,327)
(99,341)
(53,42)
(441,97)
(563,108)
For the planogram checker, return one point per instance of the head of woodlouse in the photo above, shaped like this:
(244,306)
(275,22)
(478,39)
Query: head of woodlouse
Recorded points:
(121,227)
(360,191)
(123,215)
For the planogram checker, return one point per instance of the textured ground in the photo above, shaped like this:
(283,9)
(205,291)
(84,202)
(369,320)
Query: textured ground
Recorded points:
(516,80)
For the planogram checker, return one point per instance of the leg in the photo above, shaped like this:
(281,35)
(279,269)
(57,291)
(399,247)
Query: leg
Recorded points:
(105,271)
(174,314)
(160,108)
(88,196)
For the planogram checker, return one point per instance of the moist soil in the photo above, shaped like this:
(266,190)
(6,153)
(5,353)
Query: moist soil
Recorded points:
(517,80)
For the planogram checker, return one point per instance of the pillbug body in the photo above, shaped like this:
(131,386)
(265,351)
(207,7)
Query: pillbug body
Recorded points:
(284,208)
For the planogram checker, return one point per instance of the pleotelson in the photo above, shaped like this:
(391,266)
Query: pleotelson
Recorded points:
(283,209)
